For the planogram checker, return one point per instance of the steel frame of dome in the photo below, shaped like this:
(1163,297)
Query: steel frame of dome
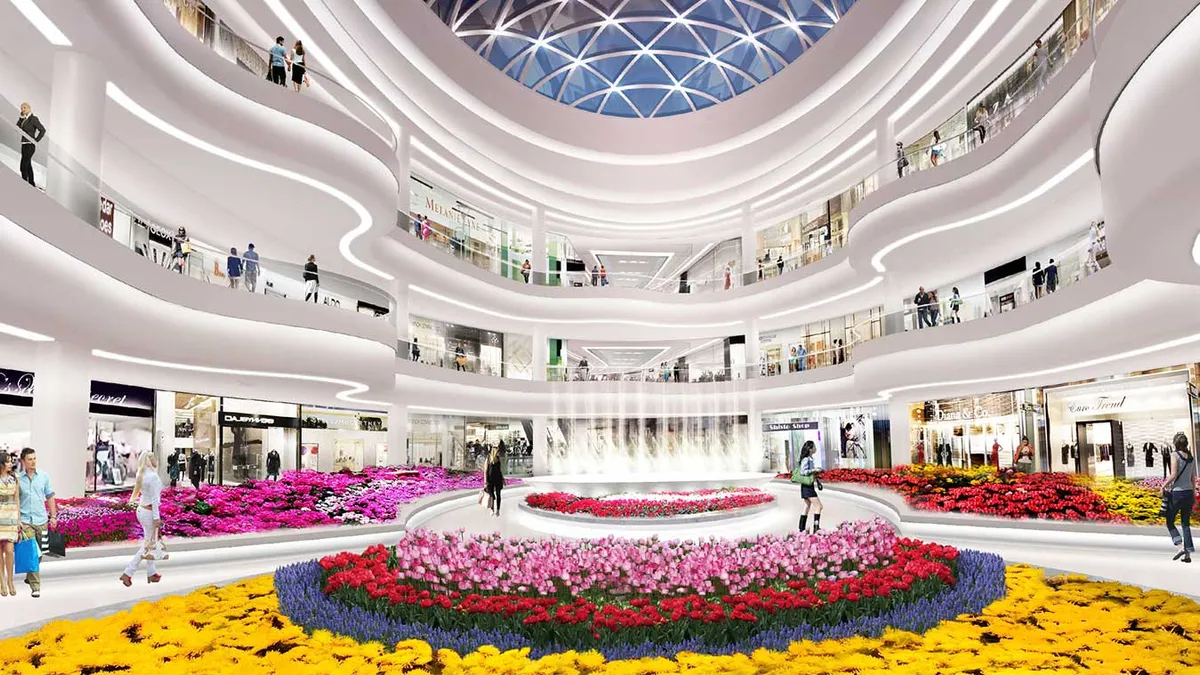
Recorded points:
(640,58)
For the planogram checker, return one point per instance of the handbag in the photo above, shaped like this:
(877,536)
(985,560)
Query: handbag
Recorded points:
(55,544)
(26,557)
(157,552)
(802,479)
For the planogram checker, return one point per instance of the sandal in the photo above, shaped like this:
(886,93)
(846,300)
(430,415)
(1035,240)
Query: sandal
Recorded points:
(154,579)
(127,580)
(4,592)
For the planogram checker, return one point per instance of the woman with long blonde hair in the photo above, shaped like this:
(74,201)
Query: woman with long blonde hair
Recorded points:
(146,498)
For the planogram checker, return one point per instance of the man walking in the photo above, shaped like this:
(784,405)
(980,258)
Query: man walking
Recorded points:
(250,268)
(279,63)
(921,300)
(32,132)
(36,495)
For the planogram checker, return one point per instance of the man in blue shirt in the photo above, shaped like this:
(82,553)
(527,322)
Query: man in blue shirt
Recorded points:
(279,63)
(250,269)
(36,495)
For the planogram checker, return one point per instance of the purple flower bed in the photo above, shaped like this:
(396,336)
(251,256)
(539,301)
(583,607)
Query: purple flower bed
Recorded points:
(299,499)
(981,581)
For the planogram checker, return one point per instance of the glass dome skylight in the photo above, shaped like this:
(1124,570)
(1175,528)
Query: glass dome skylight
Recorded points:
(640,58)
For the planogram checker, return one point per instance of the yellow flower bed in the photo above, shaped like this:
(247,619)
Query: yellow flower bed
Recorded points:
(1059,625)
(1128,499)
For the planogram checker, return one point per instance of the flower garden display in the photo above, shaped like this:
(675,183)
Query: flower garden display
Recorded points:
(1011,494)
(654,505)
(298,499)
(1059,625)
(636,596)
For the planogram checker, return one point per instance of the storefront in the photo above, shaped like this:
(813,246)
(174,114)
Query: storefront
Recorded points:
(120,429)
(715,270)
(467,232)
(16,407)
(333,439)
(462,443)
(449,345)
(846,438)
(817,344)
(797,241)
(1120,427)
(250,432)
(975,431)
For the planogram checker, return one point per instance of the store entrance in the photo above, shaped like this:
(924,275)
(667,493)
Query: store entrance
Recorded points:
(1101,449)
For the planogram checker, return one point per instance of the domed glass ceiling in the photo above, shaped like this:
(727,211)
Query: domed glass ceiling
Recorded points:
(640,58)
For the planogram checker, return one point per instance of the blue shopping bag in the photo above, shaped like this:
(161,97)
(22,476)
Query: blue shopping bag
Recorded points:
(27,556)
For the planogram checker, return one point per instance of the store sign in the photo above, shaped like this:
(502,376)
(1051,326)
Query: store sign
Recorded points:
(16,383)
(123,396)
(441,206)
(256,421)
(1100,404)
(807,425)
(971,408)
(107,210)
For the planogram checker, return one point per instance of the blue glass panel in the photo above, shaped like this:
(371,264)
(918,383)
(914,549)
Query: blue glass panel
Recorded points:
(716,40)
(785,42)
(645,71)
(551,87)
(679,39)
(645,31)
(617,106)
(612,66)
(675,103)
(592,104)
(574,42)
(581,83)
(700,102)
(679,66)
(542,62)
(719,13)
(708,78)
(646,100)
(504,48)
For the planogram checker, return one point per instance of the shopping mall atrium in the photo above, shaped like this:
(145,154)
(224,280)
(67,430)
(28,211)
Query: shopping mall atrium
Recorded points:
(599,336)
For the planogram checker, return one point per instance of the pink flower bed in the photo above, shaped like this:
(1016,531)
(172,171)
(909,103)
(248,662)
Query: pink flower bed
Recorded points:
(299,499)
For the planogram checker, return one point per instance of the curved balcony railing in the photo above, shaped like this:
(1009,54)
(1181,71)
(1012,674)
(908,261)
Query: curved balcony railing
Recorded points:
(255,59)
(981,119)
(66,180)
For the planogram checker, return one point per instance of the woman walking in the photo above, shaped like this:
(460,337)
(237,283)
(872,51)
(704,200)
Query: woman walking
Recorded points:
(297,64)
(146,497)
(494,480)
(10,517)
(806,475)
(312,279)
(1179,495)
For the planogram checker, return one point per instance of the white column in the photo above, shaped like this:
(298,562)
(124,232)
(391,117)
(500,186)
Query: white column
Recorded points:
(399,290)
(397,436)
(752,340)
(75,131)
(749,272)
(538,254)
(62,392)
(885,151)
(893,307)
(404,171)
(541,353)
(900,422)
(541,449)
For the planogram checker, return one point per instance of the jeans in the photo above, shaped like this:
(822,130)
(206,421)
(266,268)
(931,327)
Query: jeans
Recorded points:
(145,518)
(37,533)
(27,150)
(1180,502)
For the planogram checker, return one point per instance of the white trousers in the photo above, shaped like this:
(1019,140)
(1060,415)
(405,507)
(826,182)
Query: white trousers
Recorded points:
(146,519)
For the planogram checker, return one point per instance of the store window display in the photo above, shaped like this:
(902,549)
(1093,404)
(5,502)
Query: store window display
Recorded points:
(333,439)
(250,430)
(120,429)
(967,432)
(458,347)
(459,442)
(1118,427)
(846,438)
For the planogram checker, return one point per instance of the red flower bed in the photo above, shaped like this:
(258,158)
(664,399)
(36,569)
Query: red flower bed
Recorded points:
(1004,493)
(712,501)
(368,580)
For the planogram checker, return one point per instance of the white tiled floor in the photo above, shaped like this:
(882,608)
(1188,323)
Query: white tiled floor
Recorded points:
(91,586)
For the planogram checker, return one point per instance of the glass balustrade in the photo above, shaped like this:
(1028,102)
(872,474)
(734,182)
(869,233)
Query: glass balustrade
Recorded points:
(67,181)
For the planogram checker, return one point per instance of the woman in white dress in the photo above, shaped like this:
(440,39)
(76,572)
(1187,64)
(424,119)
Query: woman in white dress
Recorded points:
(146,498)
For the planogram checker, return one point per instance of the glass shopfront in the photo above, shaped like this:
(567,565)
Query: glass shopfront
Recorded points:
(846,438)
(1119,427)
(463,443)
(817,344)
(120,429)
(449,345)
(332,439)
(253,430)
(16,407)
(716,270)
(974,431)
(467,232)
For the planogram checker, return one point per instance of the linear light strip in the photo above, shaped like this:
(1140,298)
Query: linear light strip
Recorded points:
(8,329)
(610,322)
(346,395)
(41,22)
(833,298)
(365,220)
(1078,163)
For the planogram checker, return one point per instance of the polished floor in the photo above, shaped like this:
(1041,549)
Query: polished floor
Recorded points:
(80,588)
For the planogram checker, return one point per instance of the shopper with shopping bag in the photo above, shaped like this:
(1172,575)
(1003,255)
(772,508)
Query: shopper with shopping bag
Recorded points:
(39,511)
(146,498)
(10,524)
